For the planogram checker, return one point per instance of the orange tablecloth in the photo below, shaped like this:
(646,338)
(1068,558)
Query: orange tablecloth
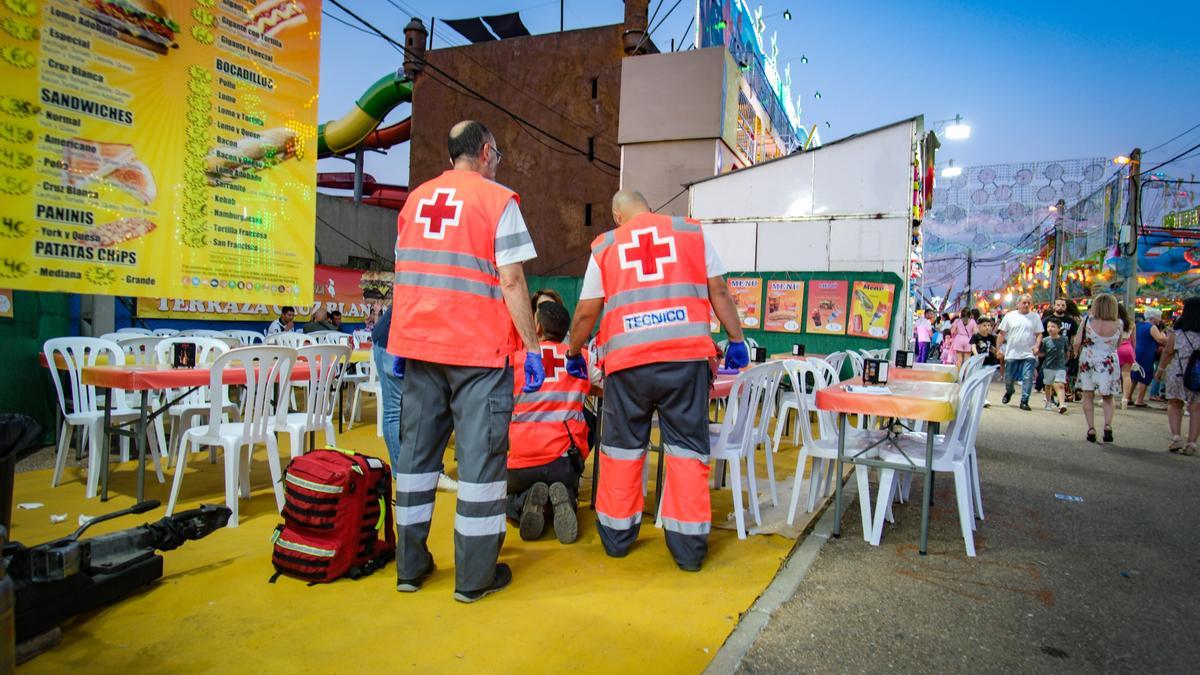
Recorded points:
(721,386)
(921,375)
(929,401)
(786,356)
(139,378)
(938,368)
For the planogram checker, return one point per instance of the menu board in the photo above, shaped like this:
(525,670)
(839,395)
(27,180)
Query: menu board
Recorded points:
(159,149)
(747,297)
(827,307)
(871,309)
(785,306)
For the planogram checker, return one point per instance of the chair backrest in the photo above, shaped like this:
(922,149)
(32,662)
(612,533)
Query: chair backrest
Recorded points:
(745,406)
(264,367)
(118,337)
(856,363)
(970,409)
(143,349)
(326,363)
(970,365)
(245,337)
(203,332)
(166,332)
(290,339)
(330,337)
(809,379)
(133,330)
(984,377)
(359,338)
(207,351)
(836,360)
(772,376)
(77,353)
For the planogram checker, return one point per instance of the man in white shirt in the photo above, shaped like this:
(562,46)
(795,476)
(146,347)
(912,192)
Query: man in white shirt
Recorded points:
(284,322)
(1019,339)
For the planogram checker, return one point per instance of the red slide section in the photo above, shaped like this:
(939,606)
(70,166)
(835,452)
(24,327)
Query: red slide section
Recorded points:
(374,193)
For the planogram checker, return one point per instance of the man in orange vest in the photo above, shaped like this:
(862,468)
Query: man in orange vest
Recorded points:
(655,277)
(462,308)
(548,439)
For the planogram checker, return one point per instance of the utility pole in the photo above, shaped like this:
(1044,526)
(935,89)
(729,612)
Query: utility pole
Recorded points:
(1129,246)
(1056,274)
(970,264)
(561,11)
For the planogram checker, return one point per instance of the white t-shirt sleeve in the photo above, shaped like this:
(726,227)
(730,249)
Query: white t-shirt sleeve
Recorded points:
(593,287)
(595,376)
(712,262)
(513,243)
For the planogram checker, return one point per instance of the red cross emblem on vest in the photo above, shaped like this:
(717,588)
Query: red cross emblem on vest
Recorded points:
(552,364)
(438,212)
(647,255)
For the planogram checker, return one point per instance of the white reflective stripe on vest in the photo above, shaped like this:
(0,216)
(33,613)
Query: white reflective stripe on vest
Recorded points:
(656,334)
(549,416)
(619,523)
(684,527)
(449,258)
(551,397)
(666,292)
(416,482)
(482,492)
(684,453)
(478,527)
(412,515)
(448,283)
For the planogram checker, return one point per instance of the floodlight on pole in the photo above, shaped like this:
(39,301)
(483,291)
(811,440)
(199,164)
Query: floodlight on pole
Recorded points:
(951,171)
(958,131)
(1121,159)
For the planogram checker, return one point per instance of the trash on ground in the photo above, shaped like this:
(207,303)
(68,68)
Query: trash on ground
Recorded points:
(56,518)
(29,506)
(1067,498)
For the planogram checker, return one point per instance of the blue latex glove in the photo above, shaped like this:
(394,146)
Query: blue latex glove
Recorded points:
(535,372)
(577,367)
(737,356)
(398,367)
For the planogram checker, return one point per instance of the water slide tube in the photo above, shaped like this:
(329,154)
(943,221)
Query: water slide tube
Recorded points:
(359,125)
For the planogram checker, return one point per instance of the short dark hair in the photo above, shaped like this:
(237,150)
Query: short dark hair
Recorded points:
(337,313)
(554,319)
(987,319)
(469,141)
(1055,321)
(287,308)
(1189,320)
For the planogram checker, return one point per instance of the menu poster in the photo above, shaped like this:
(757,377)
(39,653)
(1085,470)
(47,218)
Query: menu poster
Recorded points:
(785,306)
(827,307)
(747,297)
(871,309)
(159,149)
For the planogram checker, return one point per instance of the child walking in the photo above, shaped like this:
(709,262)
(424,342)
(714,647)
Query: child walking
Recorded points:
(1054,365)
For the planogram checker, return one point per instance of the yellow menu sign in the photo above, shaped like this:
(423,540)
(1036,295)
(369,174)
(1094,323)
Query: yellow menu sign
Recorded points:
(159,149)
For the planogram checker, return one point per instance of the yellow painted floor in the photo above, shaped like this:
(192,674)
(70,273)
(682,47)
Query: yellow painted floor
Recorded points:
(570,608)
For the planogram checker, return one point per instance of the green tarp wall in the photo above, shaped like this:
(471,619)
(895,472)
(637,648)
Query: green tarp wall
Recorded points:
(24,384)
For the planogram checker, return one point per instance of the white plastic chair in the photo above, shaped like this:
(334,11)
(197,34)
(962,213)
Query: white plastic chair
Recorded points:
(325,364)
(856,363)
(787,399)
(733,440)
(246,337)
(824,450)
(330,337)
(134,330)
(368,386)
(360,339)
(195,404)
(290,339)
(165,332)
(204,332)
(85,409)
(265,367)
(950,455)
(835,361)
(141,350)
(119,337)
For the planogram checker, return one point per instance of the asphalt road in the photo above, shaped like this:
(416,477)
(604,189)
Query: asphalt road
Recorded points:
(1109,583)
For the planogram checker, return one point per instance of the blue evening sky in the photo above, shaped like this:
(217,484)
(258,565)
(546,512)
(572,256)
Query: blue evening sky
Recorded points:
(1036,80)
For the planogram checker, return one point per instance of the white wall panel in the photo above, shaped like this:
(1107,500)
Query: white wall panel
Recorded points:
(869,174)
(801,246)
(734,243)
(780,188)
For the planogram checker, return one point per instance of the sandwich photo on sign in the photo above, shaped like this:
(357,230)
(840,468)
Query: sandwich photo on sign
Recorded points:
(143,23)
(251,155)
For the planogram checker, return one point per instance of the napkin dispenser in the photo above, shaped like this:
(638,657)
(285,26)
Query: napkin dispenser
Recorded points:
(904,359)
(183,355)
(760,354)
(797,349)
(875,371)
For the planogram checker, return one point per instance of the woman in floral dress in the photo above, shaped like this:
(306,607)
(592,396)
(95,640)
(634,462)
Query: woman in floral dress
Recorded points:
(1181,342)
(1099,372)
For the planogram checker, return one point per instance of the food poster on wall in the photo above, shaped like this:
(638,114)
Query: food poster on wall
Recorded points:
(785,305)
(159,149)
(871,309)
(747,297)
(334,288)
(827,307)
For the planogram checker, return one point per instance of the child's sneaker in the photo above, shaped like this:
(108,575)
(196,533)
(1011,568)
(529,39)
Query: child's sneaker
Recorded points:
(1048,406)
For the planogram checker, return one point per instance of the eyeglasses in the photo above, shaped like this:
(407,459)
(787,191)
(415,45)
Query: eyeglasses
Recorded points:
(496,151)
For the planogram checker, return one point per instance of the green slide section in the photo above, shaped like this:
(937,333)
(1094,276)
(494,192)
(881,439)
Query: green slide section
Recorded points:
(343,134)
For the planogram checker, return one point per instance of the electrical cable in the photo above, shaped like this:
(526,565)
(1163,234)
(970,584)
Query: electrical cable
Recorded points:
(1172,139)
(685,189)
(467,88)
(1176,157)
(663,20)
(354,241)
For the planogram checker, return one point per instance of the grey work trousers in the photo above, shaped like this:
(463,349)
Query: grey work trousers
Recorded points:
(476,404)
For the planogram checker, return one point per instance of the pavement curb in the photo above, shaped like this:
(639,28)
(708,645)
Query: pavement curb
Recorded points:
(781,589)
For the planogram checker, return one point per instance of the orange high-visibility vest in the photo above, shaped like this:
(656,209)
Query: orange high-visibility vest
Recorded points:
(537,434)
(447,306)
(655,293)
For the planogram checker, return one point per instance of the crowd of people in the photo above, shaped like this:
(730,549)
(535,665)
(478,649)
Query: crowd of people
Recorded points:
(1069,356)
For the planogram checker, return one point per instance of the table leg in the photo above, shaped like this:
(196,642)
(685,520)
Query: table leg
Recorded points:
(342,405)
(928,500)
(141,446)
(837,477)
(104,445)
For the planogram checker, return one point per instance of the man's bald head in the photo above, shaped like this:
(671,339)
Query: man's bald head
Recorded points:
(626,204)
(467,139)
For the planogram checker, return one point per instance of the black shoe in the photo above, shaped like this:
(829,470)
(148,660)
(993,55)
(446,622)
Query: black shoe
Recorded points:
(566,525)
(1006,399)
(533,517)
(414,585)
(688,567)
(503,578)
(1108,437)
(1025,405)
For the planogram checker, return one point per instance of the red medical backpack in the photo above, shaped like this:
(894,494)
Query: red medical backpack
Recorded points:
(337,504)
